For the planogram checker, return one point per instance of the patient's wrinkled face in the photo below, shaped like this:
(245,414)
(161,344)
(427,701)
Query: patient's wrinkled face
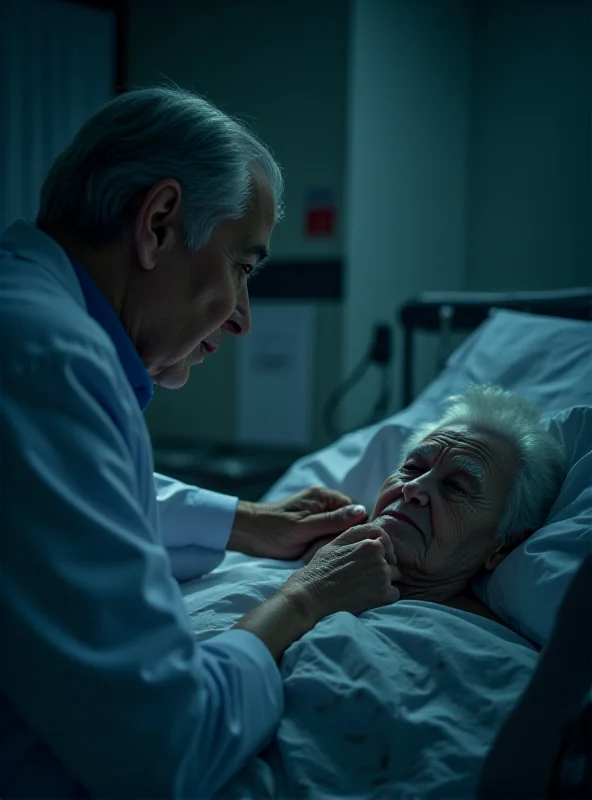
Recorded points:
(442,509)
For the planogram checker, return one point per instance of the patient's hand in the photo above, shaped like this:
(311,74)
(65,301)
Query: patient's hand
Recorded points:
(354,572)
(316,546)
(288,528)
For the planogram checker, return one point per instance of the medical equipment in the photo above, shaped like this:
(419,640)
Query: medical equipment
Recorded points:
(379,354)
(446,312)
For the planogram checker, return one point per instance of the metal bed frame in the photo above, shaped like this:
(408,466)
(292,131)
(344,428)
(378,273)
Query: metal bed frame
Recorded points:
(445,312)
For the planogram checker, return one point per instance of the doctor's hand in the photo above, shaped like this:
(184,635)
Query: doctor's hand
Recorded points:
(288,529)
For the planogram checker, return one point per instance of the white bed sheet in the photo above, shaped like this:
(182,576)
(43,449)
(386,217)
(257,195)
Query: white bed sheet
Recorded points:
(399,702)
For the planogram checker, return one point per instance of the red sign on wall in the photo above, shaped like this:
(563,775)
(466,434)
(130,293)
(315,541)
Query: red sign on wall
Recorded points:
(320,213)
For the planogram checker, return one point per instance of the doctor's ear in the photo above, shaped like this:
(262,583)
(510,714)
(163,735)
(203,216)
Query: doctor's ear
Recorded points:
(498,555)
(154,229)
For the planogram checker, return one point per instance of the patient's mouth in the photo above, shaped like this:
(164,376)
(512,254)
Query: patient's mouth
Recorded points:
(391,512)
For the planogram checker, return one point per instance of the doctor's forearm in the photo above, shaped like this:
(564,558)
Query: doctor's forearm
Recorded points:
(280,621)
(243,531)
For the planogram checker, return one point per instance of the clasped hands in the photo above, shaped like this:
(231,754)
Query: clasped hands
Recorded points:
(351,564)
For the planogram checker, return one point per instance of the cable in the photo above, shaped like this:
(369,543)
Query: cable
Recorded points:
(380,354)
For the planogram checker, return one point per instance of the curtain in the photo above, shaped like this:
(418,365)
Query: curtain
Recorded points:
(57,66)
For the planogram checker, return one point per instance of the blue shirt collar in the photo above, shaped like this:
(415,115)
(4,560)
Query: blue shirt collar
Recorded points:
(100,310)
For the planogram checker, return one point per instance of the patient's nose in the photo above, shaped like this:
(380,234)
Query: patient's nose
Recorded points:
(415,493)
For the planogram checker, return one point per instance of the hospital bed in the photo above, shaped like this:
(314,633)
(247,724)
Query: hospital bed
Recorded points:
(405,701)
(445,313)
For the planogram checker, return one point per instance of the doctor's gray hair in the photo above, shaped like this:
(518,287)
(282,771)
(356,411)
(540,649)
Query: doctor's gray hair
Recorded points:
(540,466)
(96,186)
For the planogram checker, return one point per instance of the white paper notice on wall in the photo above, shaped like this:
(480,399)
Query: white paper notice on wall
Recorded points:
(275,365)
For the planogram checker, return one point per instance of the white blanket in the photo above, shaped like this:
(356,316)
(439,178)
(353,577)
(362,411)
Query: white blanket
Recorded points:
(400,702)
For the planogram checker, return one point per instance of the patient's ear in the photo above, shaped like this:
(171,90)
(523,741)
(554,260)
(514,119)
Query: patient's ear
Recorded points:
(498,555)
(494,560)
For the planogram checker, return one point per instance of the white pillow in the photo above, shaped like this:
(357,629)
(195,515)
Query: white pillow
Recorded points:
(527,588)
(547,360)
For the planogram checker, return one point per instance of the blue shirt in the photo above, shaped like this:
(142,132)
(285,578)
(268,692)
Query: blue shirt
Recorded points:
(101,310)
(103,689)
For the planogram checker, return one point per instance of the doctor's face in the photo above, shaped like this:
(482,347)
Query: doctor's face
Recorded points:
(442,510)
(189,298)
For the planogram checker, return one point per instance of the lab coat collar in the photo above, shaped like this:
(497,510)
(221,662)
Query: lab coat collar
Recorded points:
(26,241)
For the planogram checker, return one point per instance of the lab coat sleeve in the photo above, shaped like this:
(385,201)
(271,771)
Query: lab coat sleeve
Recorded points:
(195,525)
(97,653)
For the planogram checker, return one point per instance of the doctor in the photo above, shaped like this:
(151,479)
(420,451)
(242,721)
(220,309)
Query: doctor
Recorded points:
(149,225)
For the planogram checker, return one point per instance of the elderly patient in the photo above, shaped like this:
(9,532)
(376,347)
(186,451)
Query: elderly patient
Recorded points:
(471,487)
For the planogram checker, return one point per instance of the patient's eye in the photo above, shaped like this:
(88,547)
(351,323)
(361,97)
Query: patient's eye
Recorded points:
(410,469)
(456,487)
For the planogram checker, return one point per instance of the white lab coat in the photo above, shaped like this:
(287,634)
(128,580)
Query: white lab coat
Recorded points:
(101,682)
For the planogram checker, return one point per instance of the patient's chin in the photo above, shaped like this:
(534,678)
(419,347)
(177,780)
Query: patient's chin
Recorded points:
(414,592)
(437,592)
(409,553)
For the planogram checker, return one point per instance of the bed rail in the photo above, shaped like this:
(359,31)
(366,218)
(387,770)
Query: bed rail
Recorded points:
(445,312)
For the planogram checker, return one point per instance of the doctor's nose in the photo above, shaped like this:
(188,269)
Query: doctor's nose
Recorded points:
(415,493)
(239,324)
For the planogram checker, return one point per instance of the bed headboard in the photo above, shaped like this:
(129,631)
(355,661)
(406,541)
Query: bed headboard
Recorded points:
(445,312)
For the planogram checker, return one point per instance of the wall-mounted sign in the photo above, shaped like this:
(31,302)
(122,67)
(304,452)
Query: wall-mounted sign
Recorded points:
(319,213)
(275,371)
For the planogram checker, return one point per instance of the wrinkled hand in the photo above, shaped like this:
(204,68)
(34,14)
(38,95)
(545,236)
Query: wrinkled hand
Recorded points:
(288,528)
(354,572)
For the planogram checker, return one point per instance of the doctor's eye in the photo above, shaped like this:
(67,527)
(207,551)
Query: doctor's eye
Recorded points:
(247,269)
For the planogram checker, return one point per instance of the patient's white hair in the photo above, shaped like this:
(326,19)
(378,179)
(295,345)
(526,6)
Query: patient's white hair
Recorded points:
(540,466)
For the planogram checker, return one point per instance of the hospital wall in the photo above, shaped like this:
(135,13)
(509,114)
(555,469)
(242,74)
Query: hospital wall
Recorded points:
(530,193)
(455,135)
(469,161)
(409,125)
